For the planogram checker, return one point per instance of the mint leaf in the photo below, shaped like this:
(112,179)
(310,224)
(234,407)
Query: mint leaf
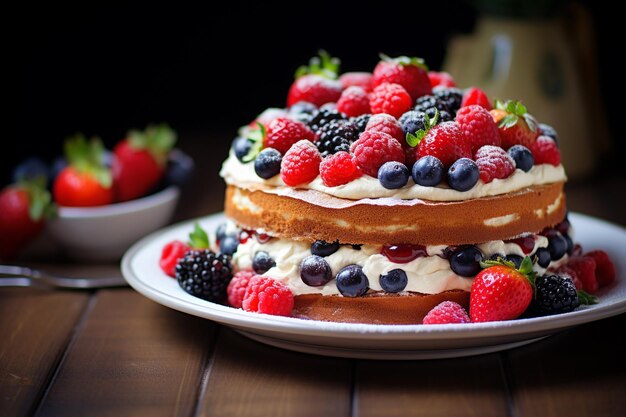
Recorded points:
(586,298)
(413,139)
(198,238)
(256,136)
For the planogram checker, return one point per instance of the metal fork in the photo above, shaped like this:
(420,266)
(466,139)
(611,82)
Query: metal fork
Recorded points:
(18,276)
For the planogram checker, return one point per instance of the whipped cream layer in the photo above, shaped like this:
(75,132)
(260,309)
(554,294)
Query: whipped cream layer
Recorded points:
(428,275)
(242,175)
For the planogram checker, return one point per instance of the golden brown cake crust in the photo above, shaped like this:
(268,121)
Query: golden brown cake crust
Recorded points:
(311,215)
(374,308)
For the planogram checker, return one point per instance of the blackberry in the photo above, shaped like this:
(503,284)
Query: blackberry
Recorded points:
(451,97)
(555,294)
(360,122)
(322,117)
(336,136)
(204,274)
(426,102)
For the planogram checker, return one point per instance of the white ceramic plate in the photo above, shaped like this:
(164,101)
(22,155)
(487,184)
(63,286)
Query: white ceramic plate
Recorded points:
(141,270)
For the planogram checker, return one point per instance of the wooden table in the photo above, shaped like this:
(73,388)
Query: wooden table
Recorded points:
(115,353)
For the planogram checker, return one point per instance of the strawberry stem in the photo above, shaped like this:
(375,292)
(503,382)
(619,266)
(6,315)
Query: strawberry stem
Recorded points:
(86,157)
(324,65)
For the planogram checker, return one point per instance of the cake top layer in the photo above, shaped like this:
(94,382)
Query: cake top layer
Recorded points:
(401,131)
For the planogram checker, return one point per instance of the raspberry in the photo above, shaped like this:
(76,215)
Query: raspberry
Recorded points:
(445,142)
(475,95)
(300,164)
(339,169)
(406,71)
(387,124)
(565,270)
(445,313)
(283,132)
(391,99)
(493,162)
(314,89)
(373,149)
(268,296)
(353,102)
(170,255)
(359,79)
(478,126)
(585,268)
(545,151)
(267,116)
(442,79)
(237,287)
(605,269)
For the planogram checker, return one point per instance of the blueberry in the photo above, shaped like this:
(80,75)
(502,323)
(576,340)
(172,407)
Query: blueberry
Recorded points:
(315,271)
(463,174)
(557,245)
(570,244)
(30,169)
(516,259)
(393,175)
(323,248)
(543,257)
(547,130)
(522,156)
(241,147)
(58,164)
(428,171)
(267,163)
(262,262)
(394,281)
(351,281)
(220,232)
(412,121)
(302,108)
(229,244)
(179,168)
(465,260)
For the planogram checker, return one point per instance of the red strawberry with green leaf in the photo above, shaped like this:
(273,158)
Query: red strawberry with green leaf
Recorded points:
(139,161)
(176,249)
(86,181)
(500,291)
(316,83)
(516,125)
(410,72)
(24,206)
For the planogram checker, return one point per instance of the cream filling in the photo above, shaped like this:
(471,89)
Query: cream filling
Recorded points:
(427,275)
(243,175)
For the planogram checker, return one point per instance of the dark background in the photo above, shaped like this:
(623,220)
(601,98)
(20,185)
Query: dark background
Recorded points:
(103,69)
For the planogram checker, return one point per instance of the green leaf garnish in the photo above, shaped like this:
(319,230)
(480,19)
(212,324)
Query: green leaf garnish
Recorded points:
(414,139)
(256,136)
(405,60)
(586,298)
(525,268)
(324,65)
(198,238)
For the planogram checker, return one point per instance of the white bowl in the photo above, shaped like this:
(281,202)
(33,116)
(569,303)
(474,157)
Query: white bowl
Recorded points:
(104,233)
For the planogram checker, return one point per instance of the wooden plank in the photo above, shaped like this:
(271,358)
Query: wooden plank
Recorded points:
(471,386)
(133,357)
(35,328)
(581,372)
(248,379)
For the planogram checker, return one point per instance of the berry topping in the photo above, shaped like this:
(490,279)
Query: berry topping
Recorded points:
(283,132)
(545,151)
(605,269)
(393,175)
(361,122)
(322,117)
(316,83)
(268,296)
(543,257)
(204,274)
(475,95)
(300,164)
(442,79)
(389,98)
(336,136)
(267,163)
(358,79)
(463,174)
(445,141)
(315,271)
(387,124)
(465,260)
(427,171)
(393,281)
(229,245)
(354,101)
(447,312)
(450,97)
(547,130)
(430,104)
(374,149)
(555,294)
(302,111)
(526,243)
(478,127)
(323,248)
(557,245)
(236,289)
(522,156)
(241,147)
(339,169)
(500,291)
(351,281)
(412,122)
(170,255)
(585,268)
(564,270)
(493,163)
(516,126)
(262,262)
(402,254)
(410,73)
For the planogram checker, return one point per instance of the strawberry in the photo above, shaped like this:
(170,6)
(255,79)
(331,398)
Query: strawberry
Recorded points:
(173,251)
(444,141)
(410,73)
(316,83)
(500,291)
(475,95)
(86,181)
(516,126)
(139,161)
(358,79)
(24,207)
(441,79)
